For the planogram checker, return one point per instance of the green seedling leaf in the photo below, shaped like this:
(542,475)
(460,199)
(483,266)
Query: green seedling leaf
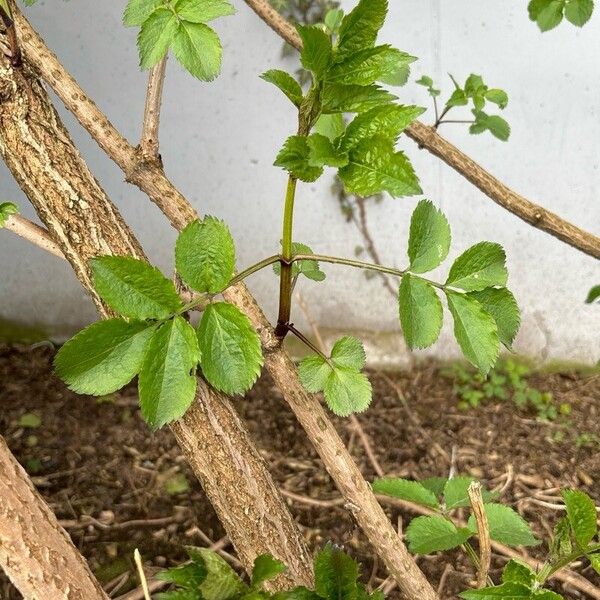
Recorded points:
(7,209)
(221,581)
(497,96)
(157,33)
(457,98)
(339,98)
(265,568)
(404,489)
(506,591)
(137,11)
(167,382)
(581,512)
(548,14)
(323,153)
(516,571)
(336,574)
(205,255)
(387,121)
(316,54)
(133,288)
(308,268)
(294,157)
(496,125)
(375,167)
(506,526)
(481,266)
(475,330)
(29,421)
(579,12)
(427,82)
(331,126)
(286,83)
(433,534)
(202,11)
(198,48)
(593,295)
(456,492)
(429,240)
(231,352)
(501,304)
(421,312)
(360,27)
(103,357)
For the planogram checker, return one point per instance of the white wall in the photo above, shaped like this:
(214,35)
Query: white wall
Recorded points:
(219,141)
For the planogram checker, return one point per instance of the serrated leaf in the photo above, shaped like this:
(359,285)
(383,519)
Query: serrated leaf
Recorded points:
(496,125)
(429,240)
(497,96)
(7,209)
(104,357)
(579,12)
(456,492)
(543,594)
(205,255)
(331,126)
(157,33)
(506,526)
(502,306)
(137,11)
(347,392)
(421,312)
(435,485)
(323,153)
(133,288)
(339,98)
(231,353)
(316,54)
(360,27)
(475,331)
(593,294)
(202,11)
(313,372)
(506,591)
(595,561)
(333,19)
(396,69)
(549,14)
(482,265)
(266,568)
(374,167)
(167,382)
(308,268)
(286,83)
(457,98)
(387,121)
(561,545)
(349,352)
(516,571)
(198,48)
(336,574)
(581,512)
(294,158)
(404,489)
(433,534)
(190,575)
(221,581)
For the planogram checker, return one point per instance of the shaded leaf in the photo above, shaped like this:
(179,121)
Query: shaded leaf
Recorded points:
(412,491)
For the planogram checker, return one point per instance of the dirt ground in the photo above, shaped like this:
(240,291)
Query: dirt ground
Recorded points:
(116,486)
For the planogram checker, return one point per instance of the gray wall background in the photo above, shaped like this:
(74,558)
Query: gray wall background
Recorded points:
(219,141)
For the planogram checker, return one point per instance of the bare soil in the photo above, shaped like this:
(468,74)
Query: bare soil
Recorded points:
(116,486)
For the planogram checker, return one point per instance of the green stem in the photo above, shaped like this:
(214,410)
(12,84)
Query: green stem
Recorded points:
(253,269)
(549,570)
(285,280)
(308,343)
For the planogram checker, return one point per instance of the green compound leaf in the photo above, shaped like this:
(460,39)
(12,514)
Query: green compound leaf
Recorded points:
(475,330)
(579,12)
(133,288)
(593,294)
(103,357)
(516,571)
(433,534)
(308,268)
(345,388)
(286,83)
(294,157)
(323,153)
(581,512)
(231,352)
(501,304)
(376,167)
(336,574)
(421,312)
(157,33)
(137,11)
(387,121)
(429,240)
(456,492)
(316,54)
(202,11)
(506,591)
(167,382)
(506,526)
(339,98)
(482,265)
(205,255)
(198,48)
(496,125)
(331,126)
(265,568)
(7,209)
(404,489)
(360,27)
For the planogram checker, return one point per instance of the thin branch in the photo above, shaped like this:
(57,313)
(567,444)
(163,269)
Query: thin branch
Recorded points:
(149,142)
(11,36)
(33,233)
(483,533)
(426,137)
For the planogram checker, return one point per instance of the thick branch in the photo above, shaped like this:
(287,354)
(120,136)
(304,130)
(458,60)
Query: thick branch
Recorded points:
(48,566)
(149,143)
(33,233)
(428,138)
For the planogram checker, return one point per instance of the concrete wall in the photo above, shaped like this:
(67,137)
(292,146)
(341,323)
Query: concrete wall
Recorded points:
(219,141)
